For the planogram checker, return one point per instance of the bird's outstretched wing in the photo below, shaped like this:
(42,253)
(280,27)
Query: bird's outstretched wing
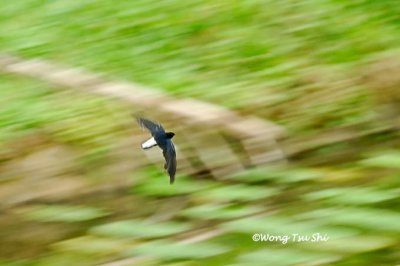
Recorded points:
(170,160)
(150,125)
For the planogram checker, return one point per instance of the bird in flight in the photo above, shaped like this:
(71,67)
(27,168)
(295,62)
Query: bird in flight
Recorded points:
(163,140)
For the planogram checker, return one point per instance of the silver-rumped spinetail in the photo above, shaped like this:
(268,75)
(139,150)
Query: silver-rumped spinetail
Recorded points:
(163,140)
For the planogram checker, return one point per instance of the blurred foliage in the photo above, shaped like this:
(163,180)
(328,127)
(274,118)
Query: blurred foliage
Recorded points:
(220,211)
(169,250)
(283,257)
(295,62)
(140,229)
(29,104)
(247,55)
(62,213)
(389,159)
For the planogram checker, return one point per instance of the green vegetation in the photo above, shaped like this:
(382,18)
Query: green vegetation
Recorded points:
(298,63)
(254,56)
(29,105)
(62,213)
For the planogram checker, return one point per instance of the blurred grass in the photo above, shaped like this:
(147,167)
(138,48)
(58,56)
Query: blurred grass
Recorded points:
(247,55)
(33,107)
(295,62)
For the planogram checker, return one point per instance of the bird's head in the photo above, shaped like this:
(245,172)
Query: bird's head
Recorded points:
(170,135)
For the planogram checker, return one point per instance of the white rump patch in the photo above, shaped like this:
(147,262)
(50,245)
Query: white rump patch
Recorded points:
(149,143)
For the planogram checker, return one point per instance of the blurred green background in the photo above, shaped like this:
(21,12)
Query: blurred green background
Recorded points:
(70,191)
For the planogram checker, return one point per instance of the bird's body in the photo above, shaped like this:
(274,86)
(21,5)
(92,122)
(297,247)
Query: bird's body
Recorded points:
(163,140)
(149,143)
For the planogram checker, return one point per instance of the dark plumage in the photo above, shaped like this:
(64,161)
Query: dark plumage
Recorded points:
(163,140)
